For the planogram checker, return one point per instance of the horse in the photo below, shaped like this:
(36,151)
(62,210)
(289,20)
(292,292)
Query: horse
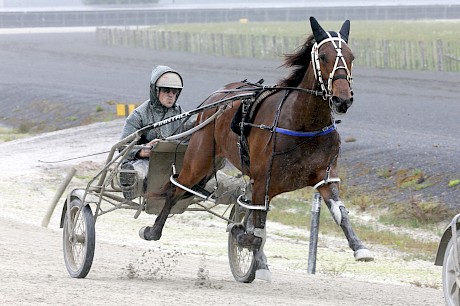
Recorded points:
(292,141)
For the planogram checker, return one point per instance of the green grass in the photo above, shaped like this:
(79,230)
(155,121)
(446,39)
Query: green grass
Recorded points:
(403,45)
(378,30)
(100,113)
(9,134)
(294,209)
(454,183)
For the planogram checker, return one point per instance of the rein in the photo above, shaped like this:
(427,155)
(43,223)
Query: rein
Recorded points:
(316,93)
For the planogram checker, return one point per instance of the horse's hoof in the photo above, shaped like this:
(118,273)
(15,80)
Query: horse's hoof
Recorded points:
(148,233)
(142,232)
(235,229)
(363,255)
(264,274)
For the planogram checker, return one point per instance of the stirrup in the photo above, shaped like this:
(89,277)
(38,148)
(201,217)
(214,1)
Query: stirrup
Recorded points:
(241,200)
(172,179)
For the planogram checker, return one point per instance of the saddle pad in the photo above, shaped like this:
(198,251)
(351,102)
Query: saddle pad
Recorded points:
(251,112)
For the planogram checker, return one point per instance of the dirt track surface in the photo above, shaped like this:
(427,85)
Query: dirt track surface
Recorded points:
(33,274)
(400,120)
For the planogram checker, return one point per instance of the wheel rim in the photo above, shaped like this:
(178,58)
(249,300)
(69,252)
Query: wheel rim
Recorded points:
(450,282)
(76,243)
(242,259)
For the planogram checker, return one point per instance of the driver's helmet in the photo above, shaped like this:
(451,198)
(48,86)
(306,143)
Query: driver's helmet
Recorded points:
(164,76)
(170,79)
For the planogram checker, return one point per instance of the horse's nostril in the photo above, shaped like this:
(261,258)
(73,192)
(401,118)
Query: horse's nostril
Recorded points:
(339,101)
(341,105)
(336,100)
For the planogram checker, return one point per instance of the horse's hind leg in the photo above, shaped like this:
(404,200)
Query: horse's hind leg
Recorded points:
(197,164)
(154,232)
(340,216)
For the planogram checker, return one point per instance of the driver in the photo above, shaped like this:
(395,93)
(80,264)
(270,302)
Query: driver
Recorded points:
(165,88)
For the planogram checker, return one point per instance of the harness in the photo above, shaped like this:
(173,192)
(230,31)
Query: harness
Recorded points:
(326,93)
(242,120)
(248,107)
(257,94)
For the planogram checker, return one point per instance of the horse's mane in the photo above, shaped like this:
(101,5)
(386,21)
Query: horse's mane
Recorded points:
(299,61)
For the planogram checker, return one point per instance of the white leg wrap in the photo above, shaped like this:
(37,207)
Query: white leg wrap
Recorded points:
(262,233)
(335,211)
(262,271)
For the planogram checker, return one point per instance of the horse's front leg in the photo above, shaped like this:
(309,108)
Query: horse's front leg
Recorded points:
(154,232)
(253,235)
(330,194)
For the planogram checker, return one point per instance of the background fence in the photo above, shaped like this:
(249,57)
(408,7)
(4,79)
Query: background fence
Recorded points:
(171,14)
(394,54)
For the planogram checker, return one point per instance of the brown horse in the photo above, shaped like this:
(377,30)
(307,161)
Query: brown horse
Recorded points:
(291,138)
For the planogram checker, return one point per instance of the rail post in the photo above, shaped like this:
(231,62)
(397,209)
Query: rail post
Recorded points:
(57,196)
(314,229)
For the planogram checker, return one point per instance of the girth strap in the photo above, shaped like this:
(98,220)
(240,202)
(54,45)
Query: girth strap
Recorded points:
(321,132)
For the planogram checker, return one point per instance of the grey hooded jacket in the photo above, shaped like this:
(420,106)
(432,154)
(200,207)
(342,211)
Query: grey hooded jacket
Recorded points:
(150,112)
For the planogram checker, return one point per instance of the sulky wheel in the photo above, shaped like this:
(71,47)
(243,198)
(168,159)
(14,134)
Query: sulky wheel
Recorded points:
(242,261)
(450,280)
(78,239)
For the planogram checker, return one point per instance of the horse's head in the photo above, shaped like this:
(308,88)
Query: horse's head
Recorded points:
(332,62)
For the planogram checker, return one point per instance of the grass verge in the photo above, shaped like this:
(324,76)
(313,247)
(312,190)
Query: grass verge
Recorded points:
(9,134)
(50,116)
(399,226)
(392,29)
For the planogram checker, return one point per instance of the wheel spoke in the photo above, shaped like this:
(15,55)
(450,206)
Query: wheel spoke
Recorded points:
(244,258)
(242,261)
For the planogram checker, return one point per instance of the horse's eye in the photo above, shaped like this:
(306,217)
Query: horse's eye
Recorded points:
(323,57)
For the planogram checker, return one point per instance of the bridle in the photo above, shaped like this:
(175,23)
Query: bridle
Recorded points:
(337,43)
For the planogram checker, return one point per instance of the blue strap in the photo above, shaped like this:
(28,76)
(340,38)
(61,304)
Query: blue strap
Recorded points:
(322,132)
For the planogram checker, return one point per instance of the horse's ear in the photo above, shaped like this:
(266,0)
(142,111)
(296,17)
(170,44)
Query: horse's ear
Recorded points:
(318,31)
(345,30)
